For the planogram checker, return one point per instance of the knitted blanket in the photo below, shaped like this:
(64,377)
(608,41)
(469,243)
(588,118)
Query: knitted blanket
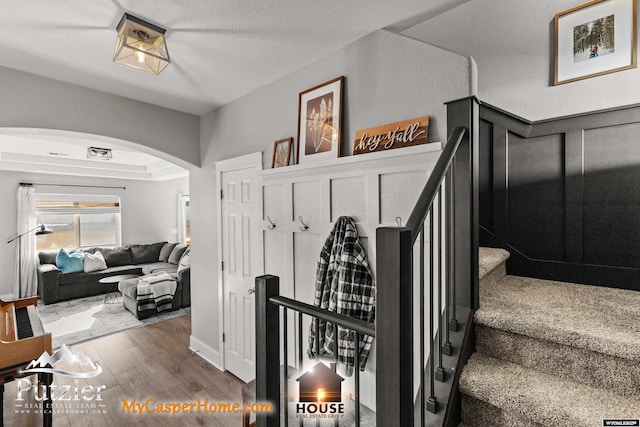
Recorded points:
(156,292)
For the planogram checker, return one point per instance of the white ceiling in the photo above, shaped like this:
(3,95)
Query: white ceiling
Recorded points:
(220,50)
(66,154)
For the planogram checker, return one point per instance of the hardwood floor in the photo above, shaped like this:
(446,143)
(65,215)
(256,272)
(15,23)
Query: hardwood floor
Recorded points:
(153,361)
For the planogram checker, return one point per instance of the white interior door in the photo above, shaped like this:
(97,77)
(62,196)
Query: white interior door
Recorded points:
(239,258)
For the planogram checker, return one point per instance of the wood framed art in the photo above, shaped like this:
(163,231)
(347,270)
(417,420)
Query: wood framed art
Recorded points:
(281,152)
(595,38)
(320,121)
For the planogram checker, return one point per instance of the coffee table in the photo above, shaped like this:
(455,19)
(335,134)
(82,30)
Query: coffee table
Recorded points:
(113,295)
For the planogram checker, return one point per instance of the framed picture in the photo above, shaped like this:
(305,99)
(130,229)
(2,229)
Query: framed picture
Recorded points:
(595,38)
(281,152)
(320,121)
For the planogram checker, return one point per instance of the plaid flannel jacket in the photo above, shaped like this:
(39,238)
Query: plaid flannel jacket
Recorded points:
(344,284)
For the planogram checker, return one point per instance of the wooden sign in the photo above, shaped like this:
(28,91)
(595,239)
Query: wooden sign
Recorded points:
(394,135)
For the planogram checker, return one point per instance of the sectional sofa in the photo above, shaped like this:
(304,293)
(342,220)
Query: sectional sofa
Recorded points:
(54,285)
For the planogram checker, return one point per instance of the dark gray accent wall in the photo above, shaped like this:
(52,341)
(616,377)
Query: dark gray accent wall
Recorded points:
(563,195)
(612,195)
(535,195)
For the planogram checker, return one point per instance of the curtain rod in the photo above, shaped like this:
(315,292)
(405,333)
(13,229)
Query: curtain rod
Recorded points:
(29,184)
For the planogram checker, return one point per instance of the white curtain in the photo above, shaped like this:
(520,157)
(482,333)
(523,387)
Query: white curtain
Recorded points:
(183,200)
(25,277)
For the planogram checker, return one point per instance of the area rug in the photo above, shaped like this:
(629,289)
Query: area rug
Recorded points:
(74,321)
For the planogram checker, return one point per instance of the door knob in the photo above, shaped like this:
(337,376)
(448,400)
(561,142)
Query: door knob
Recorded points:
(252,290)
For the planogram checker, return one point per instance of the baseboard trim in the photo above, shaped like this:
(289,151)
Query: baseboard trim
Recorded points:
(207,353)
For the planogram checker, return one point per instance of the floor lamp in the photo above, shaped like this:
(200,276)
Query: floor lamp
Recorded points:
(41,229)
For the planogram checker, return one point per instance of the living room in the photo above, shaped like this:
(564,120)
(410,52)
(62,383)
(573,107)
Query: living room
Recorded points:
(76,179)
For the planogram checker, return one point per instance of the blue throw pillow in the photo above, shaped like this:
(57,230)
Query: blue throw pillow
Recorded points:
(70,262)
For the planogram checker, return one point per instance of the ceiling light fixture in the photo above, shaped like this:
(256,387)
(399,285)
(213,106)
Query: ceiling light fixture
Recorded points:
(99,153)
(141,45)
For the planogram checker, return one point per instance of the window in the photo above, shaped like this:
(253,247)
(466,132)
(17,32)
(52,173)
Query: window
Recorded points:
(184,219)
(78,221)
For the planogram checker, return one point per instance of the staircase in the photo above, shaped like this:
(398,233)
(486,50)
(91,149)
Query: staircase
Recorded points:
(550,353)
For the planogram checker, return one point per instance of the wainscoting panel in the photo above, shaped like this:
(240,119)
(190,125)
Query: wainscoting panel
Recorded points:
(399,192)
(307,202)
(273,204)
(485,174)
(306,247)
(535,195)
(563,195)
(349,198)
(274,242)
(612,195)
(373,189)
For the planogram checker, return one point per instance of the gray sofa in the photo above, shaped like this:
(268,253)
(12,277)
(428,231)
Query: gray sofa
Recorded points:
(54,286)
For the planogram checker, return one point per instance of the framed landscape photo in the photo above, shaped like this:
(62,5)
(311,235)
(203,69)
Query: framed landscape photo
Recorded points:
(320,121)
(595,38)
(281,152)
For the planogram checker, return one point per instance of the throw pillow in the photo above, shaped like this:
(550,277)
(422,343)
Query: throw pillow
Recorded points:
(177,253)
(166,251)
(115,257)
(94,262)
(185,261)
(70,262)
(145,254)
(47,257)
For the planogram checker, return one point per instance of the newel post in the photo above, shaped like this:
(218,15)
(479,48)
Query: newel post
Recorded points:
(465,112)
(267,349)
(394,327)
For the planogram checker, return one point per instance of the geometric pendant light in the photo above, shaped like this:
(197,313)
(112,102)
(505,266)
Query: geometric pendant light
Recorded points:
(141,45)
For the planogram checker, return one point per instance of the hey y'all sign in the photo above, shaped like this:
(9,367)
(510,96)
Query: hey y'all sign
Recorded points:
(394,135)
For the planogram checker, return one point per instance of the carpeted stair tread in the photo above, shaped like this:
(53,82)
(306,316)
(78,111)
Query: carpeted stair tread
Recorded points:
(598,319)
(612,373)
(490,258)
(478,413)
(541,398)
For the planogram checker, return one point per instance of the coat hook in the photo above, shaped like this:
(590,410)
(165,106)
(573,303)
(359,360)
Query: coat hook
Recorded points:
(304,227)
(399,221)
(271,225)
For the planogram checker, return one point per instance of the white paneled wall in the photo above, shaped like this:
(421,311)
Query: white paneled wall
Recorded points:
(374,189)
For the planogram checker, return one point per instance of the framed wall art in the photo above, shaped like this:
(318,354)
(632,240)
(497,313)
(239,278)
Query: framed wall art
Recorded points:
(281,152)
(595,38)
(320,121)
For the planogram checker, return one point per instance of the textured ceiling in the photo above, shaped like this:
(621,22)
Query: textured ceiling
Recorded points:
(220,50)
